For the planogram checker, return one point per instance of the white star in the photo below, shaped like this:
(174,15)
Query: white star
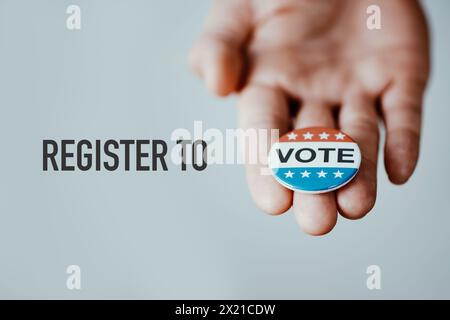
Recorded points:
(292,136)
(340,136)
(289,174)
(324,136)
(308,136)
(338,174)
(322,174)
(305,174)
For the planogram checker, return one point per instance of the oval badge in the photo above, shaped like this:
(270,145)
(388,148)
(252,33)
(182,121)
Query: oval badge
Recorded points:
(314,160)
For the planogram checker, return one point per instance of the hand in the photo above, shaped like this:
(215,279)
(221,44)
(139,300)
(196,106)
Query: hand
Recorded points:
(321,55)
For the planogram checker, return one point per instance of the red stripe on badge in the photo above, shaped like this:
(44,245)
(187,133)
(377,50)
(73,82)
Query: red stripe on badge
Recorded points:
(314,134)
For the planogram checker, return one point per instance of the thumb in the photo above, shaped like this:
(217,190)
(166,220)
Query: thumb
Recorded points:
(217,56)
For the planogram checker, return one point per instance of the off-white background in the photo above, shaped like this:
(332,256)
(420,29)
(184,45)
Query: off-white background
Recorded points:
(172,234)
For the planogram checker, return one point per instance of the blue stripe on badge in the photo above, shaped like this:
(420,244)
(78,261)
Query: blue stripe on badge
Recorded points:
(314,179)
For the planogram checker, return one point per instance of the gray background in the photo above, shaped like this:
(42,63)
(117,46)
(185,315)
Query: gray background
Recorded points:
(172,234)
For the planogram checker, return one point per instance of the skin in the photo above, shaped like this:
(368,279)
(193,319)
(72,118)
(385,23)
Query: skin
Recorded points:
(300,63)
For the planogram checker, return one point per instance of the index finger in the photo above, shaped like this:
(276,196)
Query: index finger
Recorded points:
(265,108)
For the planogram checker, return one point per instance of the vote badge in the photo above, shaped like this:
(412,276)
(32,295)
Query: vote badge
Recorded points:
(314,160)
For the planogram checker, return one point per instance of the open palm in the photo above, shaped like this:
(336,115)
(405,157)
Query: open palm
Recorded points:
(320,56)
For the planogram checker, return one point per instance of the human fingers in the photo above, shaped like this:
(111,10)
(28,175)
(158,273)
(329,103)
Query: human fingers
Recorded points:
(315,213)
(217,56)
(401,105)
(358,119)
(264,108)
